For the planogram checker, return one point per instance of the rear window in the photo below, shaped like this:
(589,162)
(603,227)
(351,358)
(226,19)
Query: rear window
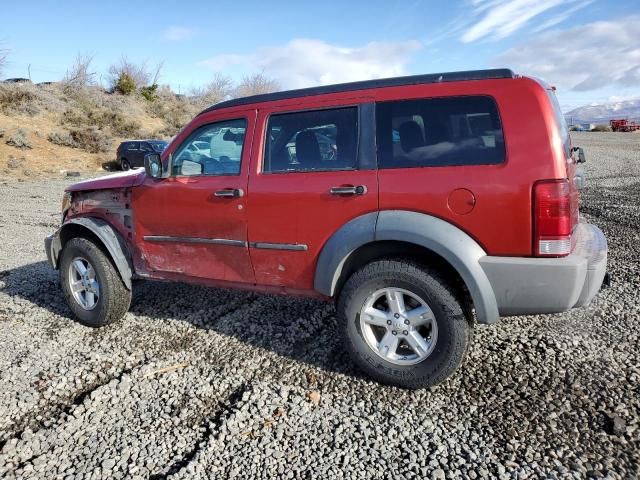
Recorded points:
(439,132)
(563,129)
(319,140)
(158,146)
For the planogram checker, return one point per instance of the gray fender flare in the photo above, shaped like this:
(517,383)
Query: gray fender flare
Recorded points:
(461,251)
(352,235)
(111,240)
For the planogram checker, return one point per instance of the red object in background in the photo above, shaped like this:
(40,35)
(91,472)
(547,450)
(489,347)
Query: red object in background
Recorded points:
(624,125)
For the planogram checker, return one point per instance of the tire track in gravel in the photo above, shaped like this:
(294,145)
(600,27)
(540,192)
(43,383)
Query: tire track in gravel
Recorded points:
(211,425)
(56,413)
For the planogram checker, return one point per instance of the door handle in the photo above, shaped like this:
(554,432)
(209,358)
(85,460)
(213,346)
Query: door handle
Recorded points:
(349,190)
(229,193)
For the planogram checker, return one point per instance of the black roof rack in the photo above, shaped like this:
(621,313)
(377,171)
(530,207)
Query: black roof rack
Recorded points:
(379,83)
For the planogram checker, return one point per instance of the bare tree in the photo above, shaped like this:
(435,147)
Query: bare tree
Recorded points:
(3,59)
(138,73)
(79,75)
(156,75)
(4,53)
(218,89)
(255,84)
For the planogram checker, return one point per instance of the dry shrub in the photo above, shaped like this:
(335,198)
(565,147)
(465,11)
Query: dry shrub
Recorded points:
(21,98)
(256,84)
(61,138)
(90,139)
(79,76)
(19,139)
(138,74)
(115,122)
(216,91)
(175,111)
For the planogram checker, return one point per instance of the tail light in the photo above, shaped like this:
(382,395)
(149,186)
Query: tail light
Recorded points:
(552,218)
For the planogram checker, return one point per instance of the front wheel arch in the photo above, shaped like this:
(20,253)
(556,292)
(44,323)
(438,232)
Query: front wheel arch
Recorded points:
(106,237)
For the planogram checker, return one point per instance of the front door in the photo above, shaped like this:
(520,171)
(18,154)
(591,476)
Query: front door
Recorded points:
(312,179)
(194,223)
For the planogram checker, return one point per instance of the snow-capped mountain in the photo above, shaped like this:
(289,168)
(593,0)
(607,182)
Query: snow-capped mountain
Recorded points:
(602,113)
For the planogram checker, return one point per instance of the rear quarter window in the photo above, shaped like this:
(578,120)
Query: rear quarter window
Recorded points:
(439,132)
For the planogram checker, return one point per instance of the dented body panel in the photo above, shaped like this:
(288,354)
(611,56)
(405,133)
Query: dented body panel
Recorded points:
(131,178)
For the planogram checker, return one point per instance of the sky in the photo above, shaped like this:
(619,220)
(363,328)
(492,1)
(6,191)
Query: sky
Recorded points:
(588,49)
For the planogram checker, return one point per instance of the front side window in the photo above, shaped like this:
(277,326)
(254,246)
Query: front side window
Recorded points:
(312,141)
(439,132)
(145,147)
(213,149)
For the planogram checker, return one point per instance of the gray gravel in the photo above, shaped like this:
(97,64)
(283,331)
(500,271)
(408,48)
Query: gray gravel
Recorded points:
(203,383)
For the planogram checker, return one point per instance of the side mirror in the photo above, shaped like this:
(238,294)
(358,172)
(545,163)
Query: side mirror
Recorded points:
(581,157)
(153,165)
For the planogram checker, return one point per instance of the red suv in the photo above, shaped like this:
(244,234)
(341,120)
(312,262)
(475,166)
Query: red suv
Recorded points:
(420,204)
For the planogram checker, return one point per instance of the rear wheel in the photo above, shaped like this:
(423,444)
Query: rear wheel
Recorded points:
(402,324)
(91,284)
(124,164)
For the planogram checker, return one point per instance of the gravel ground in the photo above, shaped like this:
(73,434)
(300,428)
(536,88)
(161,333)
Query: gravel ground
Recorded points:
(203,383)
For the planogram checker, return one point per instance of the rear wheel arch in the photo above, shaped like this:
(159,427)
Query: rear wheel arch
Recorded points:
(420,237)
(106,237)
(397,249)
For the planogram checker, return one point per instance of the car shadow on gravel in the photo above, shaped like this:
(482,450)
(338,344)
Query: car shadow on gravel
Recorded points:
(301,329)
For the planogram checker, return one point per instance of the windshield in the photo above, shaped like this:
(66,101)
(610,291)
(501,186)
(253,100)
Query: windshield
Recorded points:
(158,146)
(563,130)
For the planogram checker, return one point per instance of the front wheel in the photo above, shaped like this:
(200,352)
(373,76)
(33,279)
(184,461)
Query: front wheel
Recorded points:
(91,284)
(402,324)
(124,164)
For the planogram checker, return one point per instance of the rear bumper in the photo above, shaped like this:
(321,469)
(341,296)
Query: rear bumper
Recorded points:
(550,285)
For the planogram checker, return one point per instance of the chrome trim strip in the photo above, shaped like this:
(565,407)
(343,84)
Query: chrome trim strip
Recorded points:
(215,241)
(279,246)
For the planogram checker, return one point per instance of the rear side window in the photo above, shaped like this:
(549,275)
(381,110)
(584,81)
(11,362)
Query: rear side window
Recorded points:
(312,141)
(132,146)
(439,132)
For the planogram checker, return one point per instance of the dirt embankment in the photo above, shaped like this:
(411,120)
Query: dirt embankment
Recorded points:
(48,128)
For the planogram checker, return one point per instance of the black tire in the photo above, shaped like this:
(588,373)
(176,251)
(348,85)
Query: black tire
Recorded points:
(453,328)
(114,298)
(124,164)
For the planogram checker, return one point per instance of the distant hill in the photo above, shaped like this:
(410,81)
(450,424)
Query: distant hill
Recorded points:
(602,113)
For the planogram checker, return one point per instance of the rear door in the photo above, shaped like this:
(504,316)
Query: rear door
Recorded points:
(131,151)
(309,177)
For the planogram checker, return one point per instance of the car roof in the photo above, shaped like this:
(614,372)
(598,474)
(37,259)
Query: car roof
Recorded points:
(488,74)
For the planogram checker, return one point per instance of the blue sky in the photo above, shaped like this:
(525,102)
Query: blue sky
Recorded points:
(590,49)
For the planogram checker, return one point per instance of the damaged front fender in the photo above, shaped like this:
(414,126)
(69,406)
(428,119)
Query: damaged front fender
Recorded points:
(109,237)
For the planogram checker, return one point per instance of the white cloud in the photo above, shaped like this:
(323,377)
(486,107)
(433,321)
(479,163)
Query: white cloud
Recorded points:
(177,33)
(306,62)
(496,19)
(587,57)
(561,17)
